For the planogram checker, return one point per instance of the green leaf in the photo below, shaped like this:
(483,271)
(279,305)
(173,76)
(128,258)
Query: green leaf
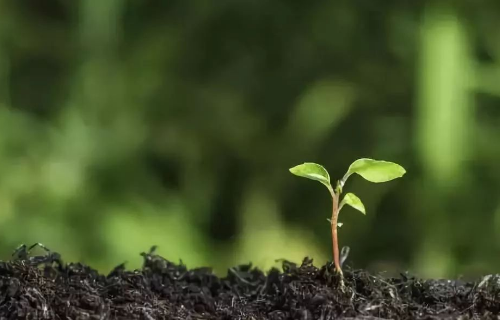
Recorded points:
(375,170)
(353,200)
(312,171)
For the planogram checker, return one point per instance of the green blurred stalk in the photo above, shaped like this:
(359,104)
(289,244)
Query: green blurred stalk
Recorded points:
(444,120)
(99,33)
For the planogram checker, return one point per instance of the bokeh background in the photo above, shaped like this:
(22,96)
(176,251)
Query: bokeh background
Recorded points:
(127,123)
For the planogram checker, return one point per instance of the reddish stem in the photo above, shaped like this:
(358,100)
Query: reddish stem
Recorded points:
(335,242)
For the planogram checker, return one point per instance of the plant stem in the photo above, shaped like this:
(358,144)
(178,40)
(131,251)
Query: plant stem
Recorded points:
(335,242)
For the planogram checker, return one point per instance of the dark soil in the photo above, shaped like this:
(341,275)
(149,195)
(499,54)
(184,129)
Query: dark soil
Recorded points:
(42,287)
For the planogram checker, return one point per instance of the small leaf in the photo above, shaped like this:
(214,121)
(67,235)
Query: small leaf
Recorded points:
(375,170)
(352,200)
(312,171)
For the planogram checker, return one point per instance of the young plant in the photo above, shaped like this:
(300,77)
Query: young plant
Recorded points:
(372,170)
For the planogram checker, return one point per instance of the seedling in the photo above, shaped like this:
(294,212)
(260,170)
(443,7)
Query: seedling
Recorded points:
(372,170)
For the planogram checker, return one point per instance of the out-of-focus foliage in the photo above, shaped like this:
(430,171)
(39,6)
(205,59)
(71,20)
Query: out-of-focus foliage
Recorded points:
(127,123)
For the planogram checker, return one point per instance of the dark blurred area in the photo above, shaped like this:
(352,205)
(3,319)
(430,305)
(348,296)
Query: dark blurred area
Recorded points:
(126,124)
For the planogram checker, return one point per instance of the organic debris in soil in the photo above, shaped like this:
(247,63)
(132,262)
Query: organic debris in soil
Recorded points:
(42,287)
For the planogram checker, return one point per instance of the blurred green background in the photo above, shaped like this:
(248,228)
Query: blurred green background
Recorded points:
(129,123)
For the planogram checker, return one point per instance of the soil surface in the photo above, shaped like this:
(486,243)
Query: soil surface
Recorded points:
(42,287)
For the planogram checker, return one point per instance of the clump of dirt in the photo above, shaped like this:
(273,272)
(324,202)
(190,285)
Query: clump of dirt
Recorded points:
(43,287)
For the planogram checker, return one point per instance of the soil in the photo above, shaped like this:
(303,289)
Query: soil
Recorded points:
(42,287)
